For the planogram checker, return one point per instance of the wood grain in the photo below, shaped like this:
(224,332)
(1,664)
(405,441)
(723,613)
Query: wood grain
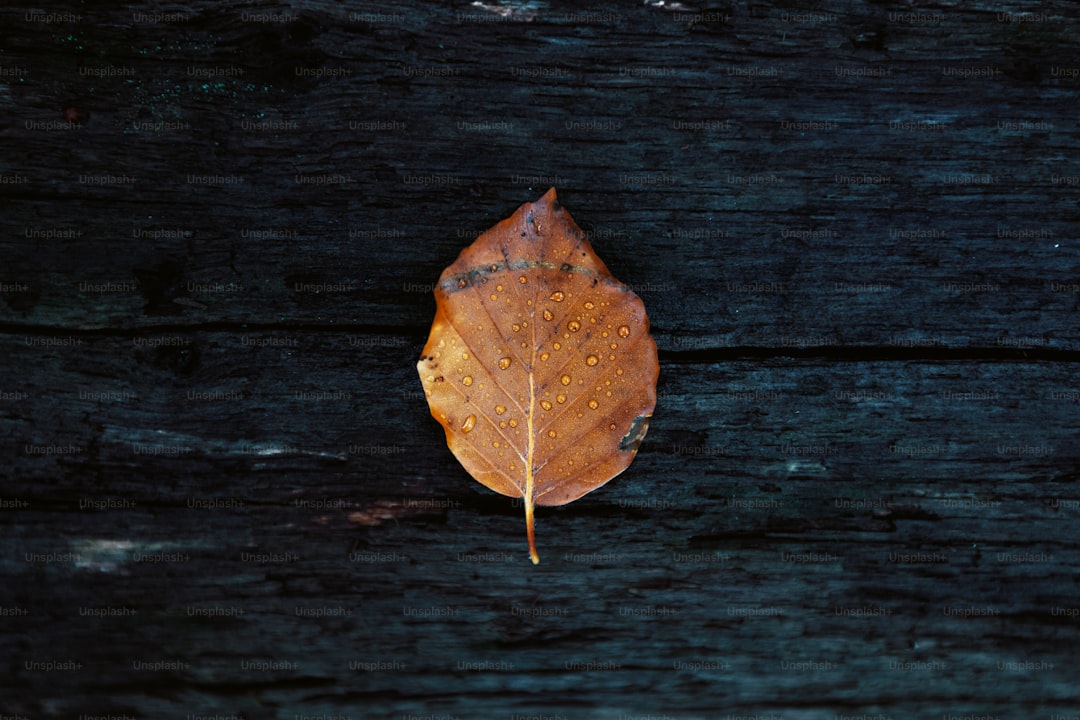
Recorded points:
(854,227)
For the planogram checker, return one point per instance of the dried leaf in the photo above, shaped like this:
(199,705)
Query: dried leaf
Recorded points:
(540,366)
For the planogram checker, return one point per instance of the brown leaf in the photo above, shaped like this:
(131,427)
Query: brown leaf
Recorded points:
(540,366)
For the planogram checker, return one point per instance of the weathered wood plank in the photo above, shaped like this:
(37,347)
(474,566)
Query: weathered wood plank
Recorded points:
(854,227)
(353,402)
(866,517)
(916,199)
(851,462)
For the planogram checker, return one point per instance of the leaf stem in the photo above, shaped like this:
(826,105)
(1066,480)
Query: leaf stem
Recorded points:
(529,529)
(529,470)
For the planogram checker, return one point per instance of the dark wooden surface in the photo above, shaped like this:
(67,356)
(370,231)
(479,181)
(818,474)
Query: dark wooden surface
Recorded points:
(855,227)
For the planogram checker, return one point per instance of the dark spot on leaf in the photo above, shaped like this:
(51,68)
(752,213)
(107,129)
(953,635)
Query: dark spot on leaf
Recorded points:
(635,434)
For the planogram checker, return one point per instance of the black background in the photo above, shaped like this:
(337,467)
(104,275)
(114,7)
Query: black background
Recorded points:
(854,227)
